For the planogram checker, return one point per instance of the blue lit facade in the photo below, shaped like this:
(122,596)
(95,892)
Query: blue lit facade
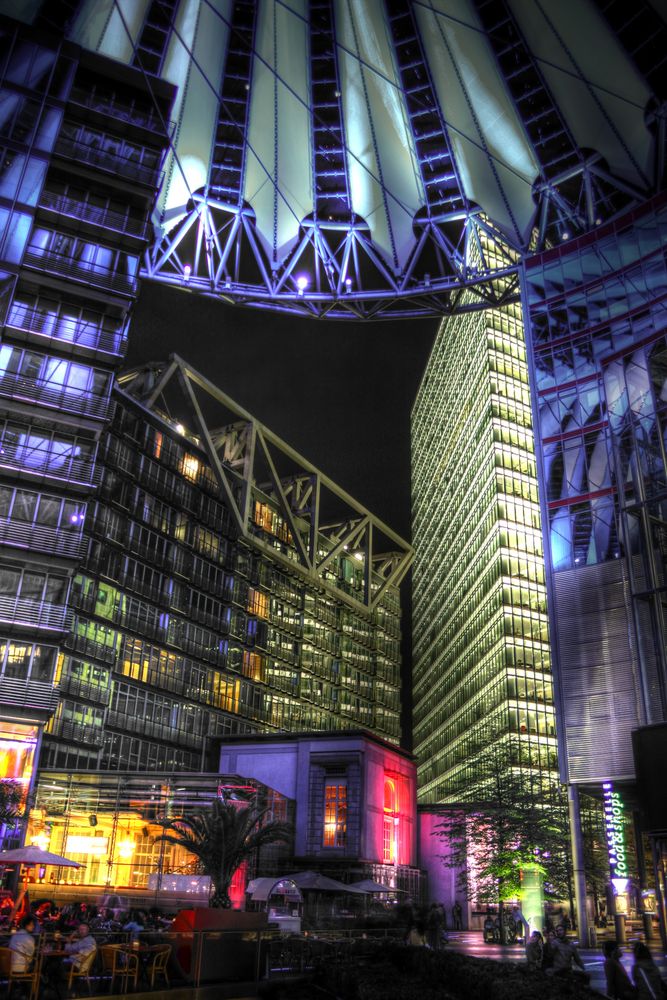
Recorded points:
(79,170)
(595,308)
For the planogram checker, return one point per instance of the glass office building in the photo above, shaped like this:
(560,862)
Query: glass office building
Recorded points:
(597,320)
(82,143)
(482,669)
(188,623)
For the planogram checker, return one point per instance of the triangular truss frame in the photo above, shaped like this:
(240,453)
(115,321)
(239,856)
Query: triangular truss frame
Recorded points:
(245,457)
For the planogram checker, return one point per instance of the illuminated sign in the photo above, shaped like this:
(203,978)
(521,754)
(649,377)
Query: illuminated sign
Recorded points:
(613,821)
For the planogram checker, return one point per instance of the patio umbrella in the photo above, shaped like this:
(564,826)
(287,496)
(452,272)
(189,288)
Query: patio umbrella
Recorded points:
(320,883)
(32,855)
(368,885)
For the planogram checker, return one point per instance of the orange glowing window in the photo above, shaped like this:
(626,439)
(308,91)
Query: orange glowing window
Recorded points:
(253,666)
(335,814)
(390,824)
(258,603)
(190,467)
(157,444)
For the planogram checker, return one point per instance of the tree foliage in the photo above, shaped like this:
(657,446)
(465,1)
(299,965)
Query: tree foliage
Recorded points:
(11,800)
(512,819)
(222,838)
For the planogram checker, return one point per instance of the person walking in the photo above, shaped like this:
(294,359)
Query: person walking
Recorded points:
(618,982)
(645,975)
(457,914)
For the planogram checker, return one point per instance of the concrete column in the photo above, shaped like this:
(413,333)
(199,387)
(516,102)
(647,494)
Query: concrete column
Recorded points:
(579,875)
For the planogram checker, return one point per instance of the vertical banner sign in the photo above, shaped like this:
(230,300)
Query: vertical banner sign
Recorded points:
(613,819)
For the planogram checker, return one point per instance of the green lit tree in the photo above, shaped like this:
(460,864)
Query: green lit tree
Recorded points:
(510,820)
(222,837)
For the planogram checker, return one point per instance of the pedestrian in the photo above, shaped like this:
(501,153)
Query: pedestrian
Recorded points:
(566,957)
(535,951)
(416,935)
(434,927)
(618,982)
(645,975)
(457,913)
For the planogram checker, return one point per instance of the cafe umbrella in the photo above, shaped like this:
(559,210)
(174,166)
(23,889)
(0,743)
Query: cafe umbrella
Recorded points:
(33,856)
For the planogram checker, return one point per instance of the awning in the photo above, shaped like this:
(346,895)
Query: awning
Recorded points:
(260,889)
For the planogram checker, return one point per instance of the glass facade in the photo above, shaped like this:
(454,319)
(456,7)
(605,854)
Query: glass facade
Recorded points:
(599,355)
(110,823)
(73,228)
(481,661)
(184,630)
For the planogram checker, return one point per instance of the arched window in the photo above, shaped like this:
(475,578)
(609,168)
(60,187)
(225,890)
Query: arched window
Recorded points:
(390,825)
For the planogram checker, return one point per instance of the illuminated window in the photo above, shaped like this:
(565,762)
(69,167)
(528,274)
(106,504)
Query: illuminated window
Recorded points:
(190,467)
(335,814)
(258,603)
(390,823)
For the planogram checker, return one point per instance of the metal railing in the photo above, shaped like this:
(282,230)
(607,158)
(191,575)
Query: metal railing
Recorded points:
(101,158)
(42,538)
(70,268)
(35,614)
(104,217)
(76,732)
(35,390)
(106,104)
(74,471)
(84,689)
(32,694)
(81,333)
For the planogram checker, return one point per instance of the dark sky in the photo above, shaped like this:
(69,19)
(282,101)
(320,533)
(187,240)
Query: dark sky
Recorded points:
(339,393)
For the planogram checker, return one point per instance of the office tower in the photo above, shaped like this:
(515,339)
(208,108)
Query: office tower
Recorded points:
(597,323)
(481,666)
(82,143)
(219,594)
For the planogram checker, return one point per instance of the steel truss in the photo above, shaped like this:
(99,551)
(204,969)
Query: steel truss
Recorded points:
(323,521)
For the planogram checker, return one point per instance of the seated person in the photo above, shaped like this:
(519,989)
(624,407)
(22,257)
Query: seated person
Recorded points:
(80,946)
(22,945)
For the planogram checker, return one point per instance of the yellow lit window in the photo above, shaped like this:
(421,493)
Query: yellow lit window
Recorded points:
(190,467)
(335,814)
(258,603)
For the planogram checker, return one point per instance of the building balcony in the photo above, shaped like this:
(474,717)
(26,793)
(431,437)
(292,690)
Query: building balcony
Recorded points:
(76,732)
(61,469)
(110,107)
(110,163)
(18,693)
(34,390)
(102,217)
(38,324)
(84,689)
(71,269)
(35,614)
(41,538)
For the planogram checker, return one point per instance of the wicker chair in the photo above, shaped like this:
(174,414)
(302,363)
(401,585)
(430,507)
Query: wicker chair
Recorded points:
(82,971)
(157,964)
(119,962)
(11,976)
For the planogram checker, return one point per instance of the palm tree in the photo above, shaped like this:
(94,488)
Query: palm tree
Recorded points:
(222,838)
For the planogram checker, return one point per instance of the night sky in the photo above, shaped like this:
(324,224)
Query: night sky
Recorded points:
(339,393)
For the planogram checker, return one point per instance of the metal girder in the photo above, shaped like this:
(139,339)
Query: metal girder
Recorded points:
(245,458)
(334,270)
(573,193)
(154,36)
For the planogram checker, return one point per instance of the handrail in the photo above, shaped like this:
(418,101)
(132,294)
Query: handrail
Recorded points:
(39,391)
(72,470)
(84,334)
(107,105)
(61,541)
(70,267)
(71,149)
(37,614)
(105,217)
(34,694)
